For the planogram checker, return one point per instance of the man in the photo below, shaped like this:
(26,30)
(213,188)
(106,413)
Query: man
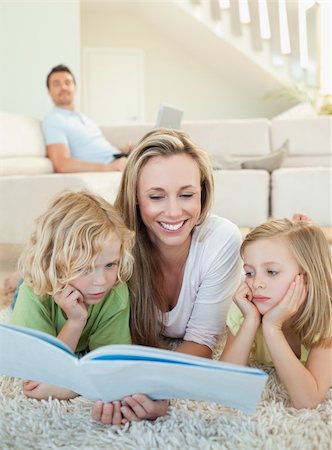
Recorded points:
(74,143)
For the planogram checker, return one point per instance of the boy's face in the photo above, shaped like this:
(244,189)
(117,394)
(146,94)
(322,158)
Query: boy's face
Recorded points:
(270,269)
(95,284)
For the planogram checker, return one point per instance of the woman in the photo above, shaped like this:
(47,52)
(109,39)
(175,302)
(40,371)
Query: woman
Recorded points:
(187,263)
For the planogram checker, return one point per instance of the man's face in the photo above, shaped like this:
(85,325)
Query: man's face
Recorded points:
(62,89)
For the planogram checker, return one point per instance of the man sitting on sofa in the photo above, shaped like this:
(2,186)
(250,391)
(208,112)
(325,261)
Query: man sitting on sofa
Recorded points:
(74,143)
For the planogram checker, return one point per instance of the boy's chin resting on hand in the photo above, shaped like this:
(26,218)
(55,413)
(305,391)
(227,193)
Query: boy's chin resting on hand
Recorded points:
(42,391)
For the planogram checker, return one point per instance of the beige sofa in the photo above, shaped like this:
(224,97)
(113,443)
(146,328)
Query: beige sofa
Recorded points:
(27,180)
(304,183)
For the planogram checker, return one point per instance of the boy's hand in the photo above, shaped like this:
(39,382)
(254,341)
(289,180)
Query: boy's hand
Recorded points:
(72,304)
(243,299)
(289,305)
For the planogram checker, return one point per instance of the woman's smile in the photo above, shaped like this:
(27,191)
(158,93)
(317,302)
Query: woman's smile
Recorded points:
(173,226)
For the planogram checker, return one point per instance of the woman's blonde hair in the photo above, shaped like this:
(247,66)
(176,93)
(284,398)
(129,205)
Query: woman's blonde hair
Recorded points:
(309,246)
(68,238)
(146,285)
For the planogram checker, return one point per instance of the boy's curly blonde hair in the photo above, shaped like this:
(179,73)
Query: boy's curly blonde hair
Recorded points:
(68,238)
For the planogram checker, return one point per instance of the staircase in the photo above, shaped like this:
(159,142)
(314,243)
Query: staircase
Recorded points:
(238,25)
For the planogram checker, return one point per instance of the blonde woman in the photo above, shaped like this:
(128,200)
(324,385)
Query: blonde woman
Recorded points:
(282,312)
(75,269)
(187,262)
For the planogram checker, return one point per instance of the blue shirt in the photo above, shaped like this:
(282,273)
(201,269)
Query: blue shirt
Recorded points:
(83,137)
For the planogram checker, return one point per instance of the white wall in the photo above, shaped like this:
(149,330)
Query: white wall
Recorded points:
(34,37)
(175,72)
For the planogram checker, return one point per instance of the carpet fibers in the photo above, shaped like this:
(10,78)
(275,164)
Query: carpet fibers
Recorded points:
(53,424)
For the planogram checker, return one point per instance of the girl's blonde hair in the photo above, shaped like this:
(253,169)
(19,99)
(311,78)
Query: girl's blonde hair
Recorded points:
(309,246)
(68,238)
(146,284)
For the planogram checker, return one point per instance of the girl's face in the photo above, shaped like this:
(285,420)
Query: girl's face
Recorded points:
(169,198)
(95,284)
(270,268)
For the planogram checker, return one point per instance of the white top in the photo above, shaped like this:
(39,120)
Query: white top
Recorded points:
(212,274)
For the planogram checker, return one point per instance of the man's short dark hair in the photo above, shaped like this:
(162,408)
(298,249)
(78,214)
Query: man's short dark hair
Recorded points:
(59,68)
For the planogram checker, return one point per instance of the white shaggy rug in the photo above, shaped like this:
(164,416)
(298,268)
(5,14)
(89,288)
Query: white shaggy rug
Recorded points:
(30,424)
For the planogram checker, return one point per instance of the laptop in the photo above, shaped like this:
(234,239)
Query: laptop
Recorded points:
(169,117)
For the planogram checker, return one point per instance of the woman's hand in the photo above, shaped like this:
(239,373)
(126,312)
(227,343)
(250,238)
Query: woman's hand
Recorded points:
(289,305)
(72,304)
(243,299)
(42,391)
(134,407)
(139,407)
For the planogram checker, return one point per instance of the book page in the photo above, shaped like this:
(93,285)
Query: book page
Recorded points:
(117,378)
(112,372)
(34,355)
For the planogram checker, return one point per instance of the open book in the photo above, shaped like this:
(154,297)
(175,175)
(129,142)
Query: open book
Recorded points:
(114,371)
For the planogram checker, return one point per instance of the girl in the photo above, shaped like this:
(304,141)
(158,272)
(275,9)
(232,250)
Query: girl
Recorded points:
(187,262)
(283,309)
(75,268)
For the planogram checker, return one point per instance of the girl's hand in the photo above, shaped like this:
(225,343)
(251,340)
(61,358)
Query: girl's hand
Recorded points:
(108,413)
(301,217)
(72,304)
(289,305)
(243,299)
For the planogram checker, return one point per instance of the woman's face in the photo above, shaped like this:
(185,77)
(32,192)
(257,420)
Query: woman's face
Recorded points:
(169,198)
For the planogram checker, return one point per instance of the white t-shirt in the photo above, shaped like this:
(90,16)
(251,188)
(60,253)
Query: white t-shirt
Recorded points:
(83,138)
(212,274)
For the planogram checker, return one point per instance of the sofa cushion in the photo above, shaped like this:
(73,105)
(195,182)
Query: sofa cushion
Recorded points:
(25,166)
(306,136)
(242,196)
(231,137)
(307,190)
(20,136)
(119,135)
(24,198)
